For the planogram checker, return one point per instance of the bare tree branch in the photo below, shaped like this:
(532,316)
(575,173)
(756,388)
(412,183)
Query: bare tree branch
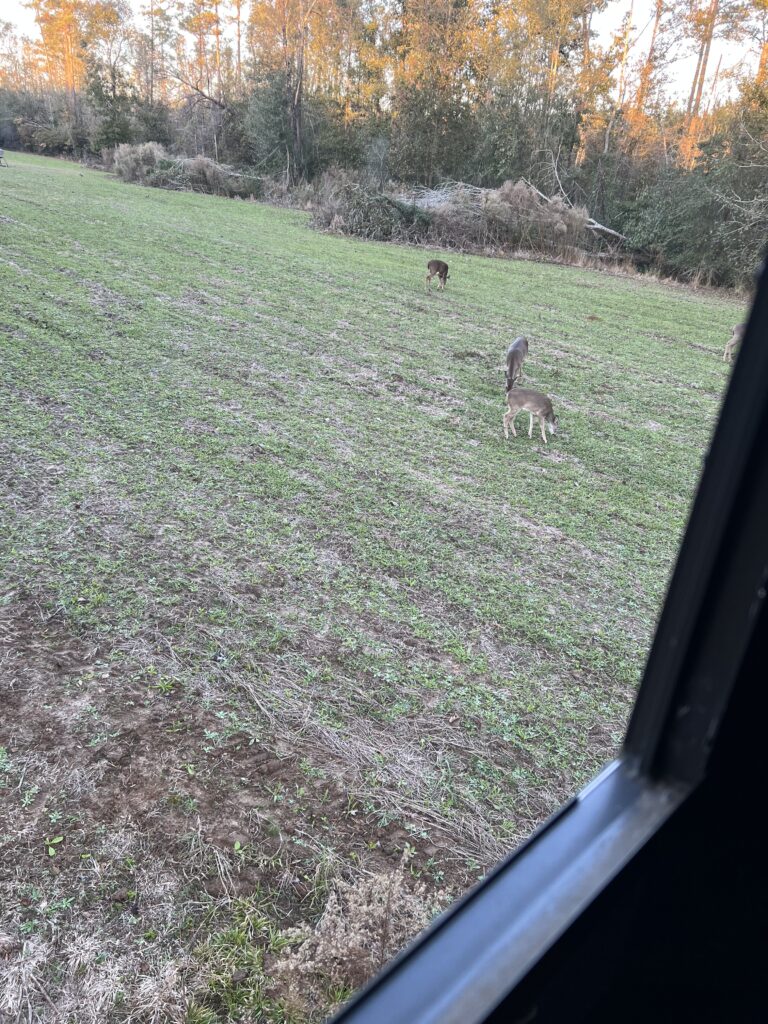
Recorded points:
(177,75)
(591,224)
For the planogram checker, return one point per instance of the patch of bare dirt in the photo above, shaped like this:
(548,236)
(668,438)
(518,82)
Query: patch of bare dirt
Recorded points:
(110,304)
(132,810)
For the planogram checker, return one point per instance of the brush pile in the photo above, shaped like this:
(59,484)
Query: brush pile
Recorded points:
(515,217)
(149,164)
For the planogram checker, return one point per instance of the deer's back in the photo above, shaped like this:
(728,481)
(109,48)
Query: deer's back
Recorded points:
(531,401)
(518,345)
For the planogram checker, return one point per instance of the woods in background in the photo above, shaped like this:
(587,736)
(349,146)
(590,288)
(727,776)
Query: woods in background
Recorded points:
(422,91)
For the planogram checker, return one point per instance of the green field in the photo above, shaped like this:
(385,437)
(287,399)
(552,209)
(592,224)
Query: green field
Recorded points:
(277,600)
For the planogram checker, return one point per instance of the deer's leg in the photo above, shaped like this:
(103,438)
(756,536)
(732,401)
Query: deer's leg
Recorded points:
(530,425)
(429,279)
(543,431)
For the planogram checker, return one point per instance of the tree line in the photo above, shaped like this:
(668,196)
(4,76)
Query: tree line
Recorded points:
(422,91)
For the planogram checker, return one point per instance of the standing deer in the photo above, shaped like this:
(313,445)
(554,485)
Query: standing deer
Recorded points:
(437,267)
(736,335)
(535,404)
(516,353)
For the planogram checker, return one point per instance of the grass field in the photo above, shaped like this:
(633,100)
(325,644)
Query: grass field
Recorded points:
(279,604)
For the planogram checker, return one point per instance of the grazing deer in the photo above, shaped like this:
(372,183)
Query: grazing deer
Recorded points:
(439,268)
(535,404)
(736,335)
(516,353)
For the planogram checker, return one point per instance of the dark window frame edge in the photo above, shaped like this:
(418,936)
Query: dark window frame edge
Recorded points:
(674,676)
(519,911)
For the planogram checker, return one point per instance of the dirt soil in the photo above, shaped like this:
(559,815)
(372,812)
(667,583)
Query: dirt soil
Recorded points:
(124,811)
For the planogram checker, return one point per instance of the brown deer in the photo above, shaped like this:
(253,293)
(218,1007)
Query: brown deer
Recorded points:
(535,404)
(516,353)
(736,335)
(437,267)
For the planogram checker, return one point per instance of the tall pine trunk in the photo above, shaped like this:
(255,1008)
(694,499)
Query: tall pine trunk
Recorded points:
(710,31)
(649,65)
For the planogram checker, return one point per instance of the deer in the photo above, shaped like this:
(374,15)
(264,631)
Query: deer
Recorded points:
(736,335)
(437,267)
(535,404)
(516,353)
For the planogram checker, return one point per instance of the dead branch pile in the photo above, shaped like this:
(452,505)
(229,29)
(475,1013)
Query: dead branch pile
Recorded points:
(514,217)
(349,207)
(150,164)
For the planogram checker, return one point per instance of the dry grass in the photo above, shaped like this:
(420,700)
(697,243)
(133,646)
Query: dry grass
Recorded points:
(363,925)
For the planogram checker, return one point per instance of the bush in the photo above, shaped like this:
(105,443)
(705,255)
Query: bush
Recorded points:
(138,163)
(343,204)
(56,133)
(516,215)
(205,175)
(149,164)
(678,222)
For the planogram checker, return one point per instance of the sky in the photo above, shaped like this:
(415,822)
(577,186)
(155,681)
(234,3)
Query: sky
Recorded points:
(732,56)
(605,25)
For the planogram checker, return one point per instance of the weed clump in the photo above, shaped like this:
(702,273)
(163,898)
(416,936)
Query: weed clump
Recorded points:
(304,973)
(364,924)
